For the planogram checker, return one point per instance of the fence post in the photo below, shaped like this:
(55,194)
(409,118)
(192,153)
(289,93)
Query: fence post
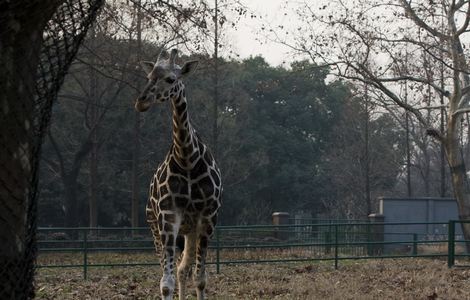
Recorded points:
(217,249)
(376,221)
(451,245)
(370,248)
(85,254)
(328,240)
(336,247)
(281,218)
(415,244)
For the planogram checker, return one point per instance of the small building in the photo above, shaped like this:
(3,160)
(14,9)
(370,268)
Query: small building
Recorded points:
(417,210)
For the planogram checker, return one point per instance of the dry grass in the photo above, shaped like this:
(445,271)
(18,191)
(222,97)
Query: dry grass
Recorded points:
(377,279)
(441,248)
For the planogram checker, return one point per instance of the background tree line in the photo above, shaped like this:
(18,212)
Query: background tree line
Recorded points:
(287,141)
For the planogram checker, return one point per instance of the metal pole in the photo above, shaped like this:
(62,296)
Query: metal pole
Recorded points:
(328,240)
(451,245)
(217,239)
(415,244)
(85,254)
(336,247)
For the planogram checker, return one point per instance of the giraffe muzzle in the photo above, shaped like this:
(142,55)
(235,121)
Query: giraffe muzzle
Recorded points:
(142,106)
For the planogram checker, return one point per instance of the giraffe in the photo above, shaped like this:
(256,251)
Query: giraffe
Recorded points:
(185,192)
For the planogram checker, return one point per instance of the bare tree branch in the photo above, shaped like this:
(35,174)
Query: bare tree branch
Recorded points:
(422,24)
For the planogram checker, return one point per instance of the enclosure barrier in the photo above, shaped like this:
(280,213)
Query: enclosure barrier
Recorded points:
(455,240)
(86,247)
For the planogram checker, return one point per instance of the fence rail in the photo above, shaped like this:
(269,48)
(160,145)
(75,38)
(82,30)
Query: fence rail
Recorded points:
(82,247)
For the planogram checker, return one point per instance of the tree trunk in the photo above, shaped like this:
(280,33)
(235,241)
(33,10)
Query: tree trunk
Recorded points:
(426,171)
(458,173)
(20,44)
(71,200)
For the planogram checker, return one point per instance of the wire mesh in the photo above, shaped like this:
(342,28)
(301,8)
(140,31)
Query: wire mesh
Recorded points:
(38,40)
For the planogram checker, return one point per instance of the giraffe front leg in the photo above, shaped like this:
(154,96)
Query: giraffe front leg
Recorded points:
(200,274)
(185,263)
(168,242)
(153,223)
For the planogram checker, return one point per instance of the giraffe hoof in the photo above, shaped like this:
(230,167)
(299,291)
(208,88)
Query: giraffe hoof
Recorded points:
(165,291)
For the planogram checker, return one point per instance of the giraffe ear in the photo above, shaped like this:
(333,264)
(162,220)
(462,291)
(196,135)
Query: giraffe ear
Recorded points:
(189,67)
(147,66)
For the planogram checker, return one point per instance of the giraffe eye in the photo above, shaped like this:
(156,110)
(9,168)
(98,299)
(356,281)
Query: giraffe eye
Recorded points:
(169,80)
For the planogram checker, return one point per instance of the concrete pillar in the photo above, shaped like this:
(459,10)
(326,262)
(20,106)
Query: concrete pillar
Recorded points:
(281,218)
(376,234)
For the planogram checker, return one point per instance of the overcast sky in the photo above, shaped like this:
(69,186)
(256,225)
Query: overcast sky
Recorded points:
(244,39)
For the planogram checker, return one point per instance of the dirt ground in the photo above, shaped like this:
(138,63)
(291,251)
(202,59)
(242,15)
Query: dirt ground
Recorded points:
(378,279)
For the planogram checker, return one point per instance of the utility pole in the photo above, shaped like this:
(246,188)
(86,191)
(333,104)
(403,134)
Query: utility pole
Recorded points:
(93,126)
(426,167)
(137,131)
(442,128)
(215,109)
(367,156)
(408,151)
(407,130)
(443,120)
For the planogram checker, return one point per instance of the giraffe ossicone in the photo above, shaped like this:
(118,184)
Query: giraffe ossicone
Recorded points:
(185,191)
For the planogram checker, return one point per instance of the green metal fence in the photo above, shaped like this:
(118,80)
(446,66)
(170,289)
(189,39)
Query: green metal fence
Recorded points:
(456,241)
(105,247)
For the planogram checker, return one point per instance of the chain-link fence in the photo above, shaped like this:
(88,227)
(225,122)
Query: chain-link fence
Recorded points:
(38,40)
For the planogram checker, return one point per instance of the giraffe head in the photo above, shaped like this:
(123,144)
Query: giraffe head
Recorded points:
(164,80)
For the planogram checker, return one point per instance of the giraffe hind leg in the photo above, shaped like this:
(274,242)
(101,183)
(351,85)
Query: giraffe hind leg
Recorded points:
(200,274)
(180,240)
(187,260)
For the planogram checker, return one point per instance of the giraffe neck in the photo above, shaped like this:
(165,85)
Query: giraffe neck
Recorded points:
(185,144)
